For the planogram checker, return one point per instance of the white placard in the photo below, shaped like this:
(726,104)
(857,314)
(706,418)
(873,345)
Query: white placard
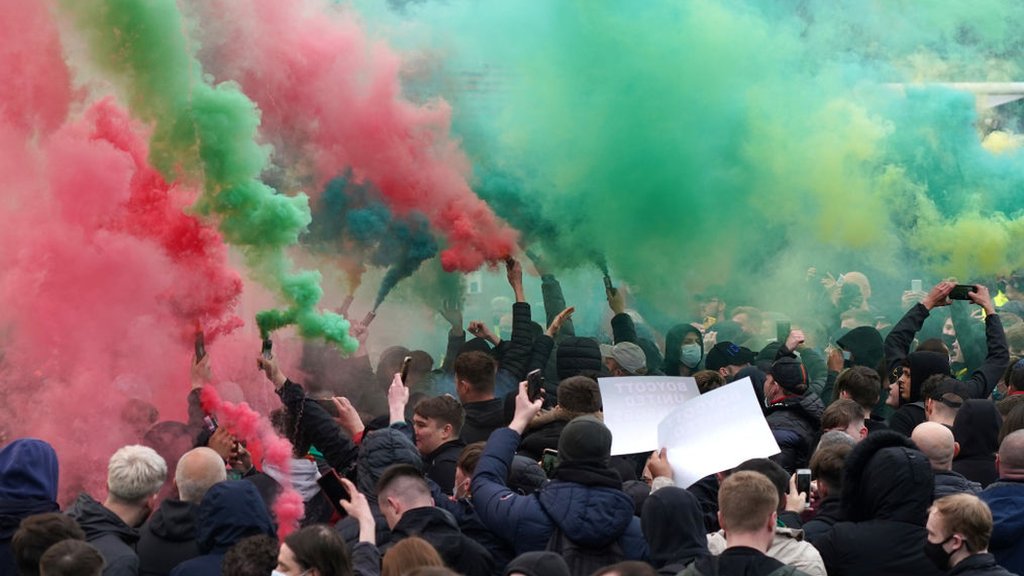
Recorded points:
(633,407)
(716,432)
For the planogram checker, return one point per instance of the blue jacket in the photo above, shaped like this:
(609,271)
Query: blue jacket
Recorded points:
(590,516)
(28,485)
(1006,499)
(231,511)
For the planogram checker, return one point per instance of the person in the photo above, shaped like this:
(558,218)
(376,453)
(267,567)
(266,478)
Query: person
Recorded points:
(846,416)
(673,525)
(959,528)
(1014,386)
(862,385)
(585,500)
(1005,498)
(748,505)
(135,475)
(624,359)
(169,537)
(409,554)
(408,506)
(827,468)
(230,511)
(728,359)
(537,564)
(577,396)
(36,534)
(437,423)
(912,369)
(627,568)
(684,351)
(474,384)
(319,550)
(28,485)
(976,429)
(943,396)
(252,556)
(792,412)
(887,488)
(938,444)
(71,558)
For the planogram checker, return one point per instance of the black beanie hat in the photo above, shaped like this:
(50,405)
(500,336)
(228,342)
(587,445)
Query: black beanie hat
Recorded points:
(790,374)
(538,564)
(585,439)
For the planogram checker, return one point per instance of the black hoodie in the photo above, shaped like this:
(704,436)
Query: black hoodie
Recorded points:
(438,527)
(674,528)
(887,489)
(673,348)
(976,429)
(865,346)
(109,534)
(168,539)
(923,365)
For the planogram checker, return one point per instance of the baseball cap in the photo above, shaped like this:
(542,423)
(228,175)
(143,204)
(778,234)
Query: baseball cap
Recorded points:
(627,355)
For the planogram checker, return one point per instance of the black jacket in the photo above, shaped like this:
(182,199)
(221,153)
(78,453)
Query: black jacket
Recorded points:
(741,561)
(440,464)
(168,539)
(979,565)
(471,526)
(795,423)
(440,529)
(109,534)
(830,512)
(976,429)
(907,418)
(948,482)
(543,433)
(482,418)
(315,427)
(576,355)
(887,489)
(673,525)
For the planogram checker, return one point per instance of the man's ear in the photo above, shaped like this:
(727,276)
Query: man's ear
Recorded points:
(447,430)
(956,452)
(998,471)
(864,432)
(721,522)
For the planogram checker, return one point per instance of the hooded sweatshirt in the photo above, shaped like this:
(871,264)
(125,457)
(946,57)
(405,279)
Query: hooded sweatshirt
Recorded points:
(28,485)
(923,365)
(673,525)
(109,534)
(976,429)
(231,511)
(673,348)
(168,538)
(439,528)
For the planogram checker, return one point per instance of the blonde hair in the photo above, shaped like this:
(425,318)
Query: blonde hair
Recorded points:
(746,501)
(410,553)
(135,473)
(967,515)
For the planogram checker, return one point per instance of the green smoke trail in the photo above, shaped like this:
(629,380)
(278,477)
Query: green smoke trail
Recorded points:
(208,132)
(735,141)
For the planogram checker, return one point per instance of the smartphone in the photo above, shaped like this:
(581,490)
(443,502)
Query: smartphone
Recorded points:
(406,362)
(915,286)
(211,423)
(268,348)
(608,284)
(803,481)
(961,291)
(782,330)
(548,461)
(333,489)
(328,404)
(534,384)
(200,346)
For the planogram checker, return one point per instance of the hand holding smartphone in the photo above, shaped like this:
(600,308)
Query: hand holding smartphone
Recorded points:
(405,369)
(961,292)
(334,490)
(534,385)
(803,482)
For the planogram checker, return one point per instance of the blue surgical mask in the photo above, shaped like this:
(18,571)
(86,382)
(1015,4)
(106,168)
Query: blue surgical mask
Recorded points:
(690,355)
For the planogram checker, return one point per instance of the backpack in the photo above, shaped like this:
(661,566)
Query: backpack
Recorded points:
(583,560)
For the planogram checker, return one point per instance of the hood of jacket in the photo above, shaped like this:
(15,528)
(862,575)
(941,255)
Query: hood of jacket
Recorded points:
(28,471)
(230,511)
(576,355)
(485,414)
(302,475)
(433,524)
(175,521)
(592,516)
(922,365)
(865,344)
(673,525)
(976,429)
(97,520)
(673,347)
(380,449)
(1006,500)
(887,478)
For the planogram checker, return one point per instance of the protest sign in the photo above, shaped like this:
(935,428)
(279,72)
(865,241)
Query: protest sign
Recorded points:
(634,406)
(716,432)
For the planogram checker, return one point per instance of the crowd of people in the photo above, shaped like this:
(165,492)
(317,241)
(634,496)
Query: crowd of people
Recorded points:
(912,432)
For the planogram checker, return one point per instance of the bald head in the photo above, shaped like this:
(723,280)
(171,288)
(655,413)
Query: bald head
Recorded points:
(937,443)
(1011,456)
(198,470)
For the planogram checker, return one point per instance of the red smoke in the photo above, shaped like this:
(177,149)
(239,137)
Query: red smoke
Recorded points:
(328,92)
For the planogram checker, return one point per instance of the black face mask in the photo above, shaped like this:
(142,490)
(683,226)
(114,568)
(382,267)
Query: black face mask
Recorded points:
(937,554)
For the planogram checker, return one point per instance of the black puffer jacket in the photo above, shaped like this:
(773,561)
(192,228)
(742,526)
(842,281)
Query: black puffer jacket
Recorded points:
(576,355)
(887,489)
(948,482)
(795,423)
(482,418)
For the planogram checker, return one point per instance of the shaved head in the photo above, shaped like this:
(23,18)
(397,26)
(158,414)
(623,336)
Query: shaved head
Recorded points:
(1011,456)
(937,443)
(198,470)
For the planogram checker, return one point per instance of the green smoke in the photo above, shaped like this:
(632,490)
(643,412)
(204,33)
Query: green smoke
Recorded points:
(208,133)
(737,142)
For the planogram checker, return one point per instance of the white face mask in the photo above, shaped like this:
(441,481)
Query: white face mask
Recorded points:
(690,355)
